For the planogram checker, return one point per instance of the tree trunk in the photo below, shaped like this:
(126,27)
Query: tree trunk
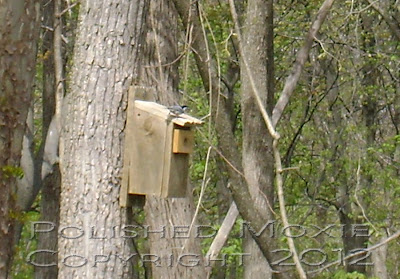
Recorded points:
(379,258)
(160,75)
(50,198)
(18,39)
(106,57)
(257,156)
(369,112)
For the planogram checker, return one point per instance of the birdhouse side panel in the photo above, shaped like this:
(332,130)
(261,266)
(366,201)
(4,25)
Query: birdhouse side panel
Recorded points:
(179,175)
(175,177)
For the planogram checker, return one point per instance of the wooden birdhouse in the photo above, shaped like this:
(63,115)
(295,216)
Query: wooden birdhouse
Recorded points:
(157,148)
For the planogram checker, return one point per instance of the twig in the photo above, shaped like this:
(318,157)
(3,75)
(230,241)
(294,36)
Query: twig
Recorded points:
(290,169)
(228,162)
(356,196)
(282,207)
(203,188)
(210,72)
(67,9)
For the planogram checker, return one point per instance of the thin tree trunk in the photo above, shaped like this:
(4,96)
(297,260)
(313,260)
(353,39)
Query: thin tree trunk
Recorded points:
(105,63)
(160,73)
(223,126)
(257,156)
(378,258)
(18,40)
(50,198)
(364,177)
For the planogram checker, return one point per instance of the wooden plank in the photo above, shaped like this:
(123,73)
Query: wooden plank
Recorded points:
(167,160)
(163,112)
(187,120)
(146,164)
(183,141)
(150,166)
(176,172)
(179,175)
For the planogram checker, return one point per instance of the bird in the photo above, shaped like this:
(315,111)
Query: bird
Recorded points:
(177,110)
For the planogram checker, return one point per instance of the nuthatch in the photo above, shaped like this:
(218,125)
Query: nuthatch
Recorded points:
(177,110)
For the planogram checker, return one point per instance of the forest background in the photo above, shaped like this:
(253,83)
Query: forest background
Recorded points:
(296,166)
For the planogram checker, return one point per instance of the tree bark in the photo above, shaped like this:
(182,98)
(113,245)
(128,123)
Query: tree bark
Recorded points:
(106,59)
(257,155)
(18,39)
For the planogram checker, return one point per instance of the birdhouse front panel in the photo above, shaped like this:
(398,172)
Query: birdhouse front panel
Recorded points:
(183,140)
(148,149)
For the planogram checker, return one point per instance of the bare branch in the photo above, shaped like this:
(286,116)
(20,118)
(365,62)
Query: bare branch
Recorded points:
(68,8)
(282,207)
(58,60)
(222,234)
(50,156)
(301,59)
(203,188)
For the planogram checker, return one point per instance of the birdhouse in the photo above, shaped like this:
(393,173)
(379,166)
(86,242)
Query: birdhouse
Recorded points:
(157,148)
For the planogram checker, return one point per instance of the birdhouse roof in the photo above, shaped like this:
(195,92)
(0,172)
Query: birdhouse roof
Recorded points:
(161,111)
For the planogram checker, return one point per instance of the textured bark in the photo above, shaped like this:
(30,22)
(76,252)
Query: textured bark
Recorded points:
(160,73)
(18,38)
(50,212)
(349,215)
(257,156)
(105,63)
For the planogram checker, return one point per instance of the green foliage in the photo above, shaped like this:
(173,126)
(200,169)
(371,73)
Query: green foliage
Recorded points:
(21,269)
(323,130)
